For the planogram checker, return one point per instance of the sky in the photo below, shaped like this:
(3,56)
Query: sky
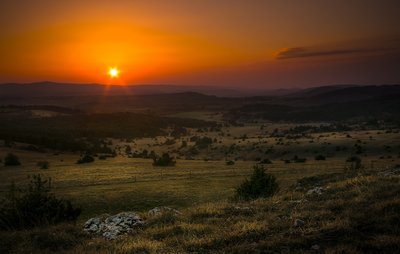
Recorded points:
(269,44)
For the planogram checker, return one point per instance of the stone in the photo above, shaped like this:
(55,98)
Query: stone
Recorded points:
(296,201)
(156,211)
(389,173)
(243,209)
(113,226)
(315,247)
(299,223)
(316,190)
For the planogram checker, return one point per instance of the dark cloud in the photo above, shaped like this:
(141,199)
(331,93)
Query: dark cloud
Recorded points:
(301,52)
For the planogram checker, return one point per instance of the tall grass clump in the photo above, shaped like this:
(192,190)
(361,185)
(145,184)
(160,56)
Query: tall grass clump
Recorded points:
(35,205)
(260,185)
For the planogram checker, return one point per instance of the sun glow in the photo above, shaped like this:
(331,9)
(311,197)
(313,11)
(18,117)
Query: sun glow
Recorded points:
(113,72)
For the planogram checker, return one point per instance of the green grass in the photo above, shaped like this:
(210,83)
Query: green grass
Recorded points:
(134,184)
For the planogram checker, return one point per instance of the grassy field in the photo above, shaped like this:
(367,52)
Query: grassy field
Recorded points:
(203,188)
(356,213)
(121,183)
(134,184)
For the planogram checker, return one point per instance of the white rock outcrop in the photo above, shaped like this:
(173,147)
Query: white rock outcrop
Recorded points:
(316,190)
(156,211)
(113,226)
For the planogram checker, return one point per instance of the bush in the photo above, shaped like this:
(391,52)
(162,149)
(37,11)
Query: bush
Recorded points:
(43,164)
(35,206)
(266,161)
(355,162)
(261,184)
(297,159)
(85,159)
(320,157)
(11,160)
(203,142)
(230,163)
(164,161)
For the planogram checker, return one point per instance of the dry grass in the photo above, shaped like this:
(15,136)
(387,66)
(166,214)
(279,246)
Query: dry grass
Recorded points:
(134,184)
(356,214)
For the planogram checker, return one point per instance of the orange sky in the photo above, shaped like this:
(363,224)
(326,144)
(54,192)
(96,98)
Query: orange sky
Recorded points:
(254,43)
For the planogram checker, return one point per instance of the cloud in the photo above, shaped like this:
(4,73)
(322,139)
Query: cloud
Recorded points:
(302,52)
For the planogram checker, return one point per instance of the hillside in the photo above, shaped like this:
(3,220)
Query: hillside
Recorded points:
(297,220)
(330,104)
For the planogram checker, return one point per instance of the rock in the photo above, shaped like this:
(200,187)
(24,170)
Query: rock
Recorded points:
(113,226)
(156,211)
(240,210)
(243,209)
(93,228)
(299,223)
(315,247)
(297,201)
(389,173)
(316,190)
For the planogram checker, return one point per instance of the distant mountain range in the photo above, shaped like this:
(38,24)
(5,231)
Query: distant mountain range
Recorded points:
(334,102)
(52,89)
(342,93)
(45,89)
(328,103)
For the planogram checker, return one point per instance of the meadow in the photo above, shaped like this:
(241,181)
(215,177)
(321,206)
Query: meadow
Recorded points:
(357,211)
(123,183)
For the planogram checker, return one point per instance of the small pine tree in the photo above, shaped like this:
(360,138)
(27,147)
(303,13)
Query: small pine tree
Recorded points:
(260,184)
(34,206)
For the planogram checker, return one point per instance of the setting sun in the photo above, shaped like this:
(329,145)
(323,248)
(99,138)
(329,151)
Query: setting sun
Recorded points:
(113,72)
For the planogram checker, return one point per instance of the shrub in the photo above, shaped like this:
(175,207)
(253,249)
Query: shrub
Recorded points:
(85,159)
(11,160)
(184,144)
(261,184)
(266,161)
(169,142)
(164,161)
(203,142)
(102,157)
(297,159)
(43,164)
(355,162)
(230,163)
(320,157)
(35,206)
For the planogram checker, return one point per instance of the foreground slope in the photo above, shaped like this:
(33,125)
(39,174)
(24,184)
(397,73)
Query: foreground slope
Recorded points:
(356,212)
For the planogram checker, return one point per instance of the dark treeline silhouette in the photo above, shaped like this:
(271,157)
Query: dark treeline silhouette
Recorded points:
(385,107)
(56,109)
(83,132)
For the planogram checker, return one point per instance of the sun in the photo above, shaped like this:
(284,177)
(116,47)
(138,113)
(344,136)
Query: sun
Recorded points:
(113,72)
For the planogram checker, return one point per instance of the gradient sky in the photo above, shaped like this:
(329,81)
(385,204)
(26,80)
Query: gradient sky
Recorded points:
(252,43)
